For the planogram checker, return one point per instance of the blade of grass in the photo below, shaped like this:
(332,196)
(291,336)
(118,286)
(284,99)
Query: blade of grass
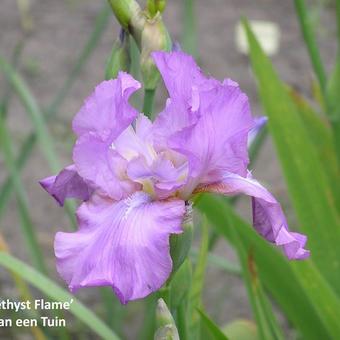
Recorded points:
(114,310)
(307,182)
(265,319)
(26,223)
(333,90)
(274,270)
(28,144)
(36,116)
(214,331)
(23,290)
(311,44)
(195,294)
(179,291)
(15,60)
(322,137)
(33,110)
(53,291)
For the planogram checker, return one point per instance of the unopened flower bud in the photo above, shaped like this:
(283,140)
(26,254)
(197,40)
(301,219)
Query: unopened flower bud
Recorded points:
(155,6)
(154,38)
(120,58)
(166,327)
(126,11)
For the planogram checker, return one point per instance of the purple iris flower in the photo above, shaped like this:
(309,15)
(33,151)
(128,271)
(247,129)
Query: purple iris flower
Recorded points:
(134,177)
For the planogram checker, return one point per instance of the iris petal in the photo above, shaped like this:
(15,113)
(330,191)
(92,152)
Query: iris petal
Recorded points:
(103,167)
(106,112)
(122,244)
(268,217)
(67,184)
(217,142)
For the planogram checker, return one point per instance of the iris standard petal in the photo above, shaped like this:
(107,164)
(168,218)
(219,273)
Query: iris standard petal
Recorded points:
(179,72)
(217,143)
(268,217)
(122,244)
(67,184)
(182,78)
(106,112)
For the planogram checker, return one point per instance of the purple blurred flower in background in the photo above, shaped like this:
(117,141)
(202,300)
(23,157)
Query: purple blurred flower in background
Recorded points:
(135,176)
(259,123)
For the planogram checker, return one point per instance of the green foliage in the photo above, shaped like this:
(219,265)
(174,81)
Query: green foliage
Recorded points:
(26,222)
(274,270)
(195,295)
(265,318)
(53,291)
(212,331)
(310,40)
(307,182)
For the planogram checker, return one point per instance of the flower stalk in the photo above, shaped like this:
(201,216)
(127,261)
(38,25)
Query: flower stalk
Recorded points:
(149,32)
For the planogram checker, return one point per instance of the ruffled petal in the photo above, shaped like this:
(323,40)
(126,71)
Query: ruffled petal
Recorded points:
(67,184)
(103,167)
(183,79)
(160,178)
(106,111)
(268,217)
(217,143)
(180,73)
(122,244)
(133,143)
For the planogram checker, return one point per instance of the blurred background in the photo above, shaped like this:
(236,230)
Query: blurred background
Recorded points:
(45,39)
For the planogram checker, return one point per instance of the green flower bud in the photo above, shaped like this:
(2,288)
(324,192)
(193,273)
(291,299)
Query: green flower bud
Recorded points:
(125,11)
(148,30)
(120,57)
(154,37)
(154,6)
(166,327)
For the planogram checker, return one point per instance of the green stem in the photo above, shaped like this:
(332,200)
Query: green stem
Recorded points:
(310,40)
(149,96)
(190,28)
